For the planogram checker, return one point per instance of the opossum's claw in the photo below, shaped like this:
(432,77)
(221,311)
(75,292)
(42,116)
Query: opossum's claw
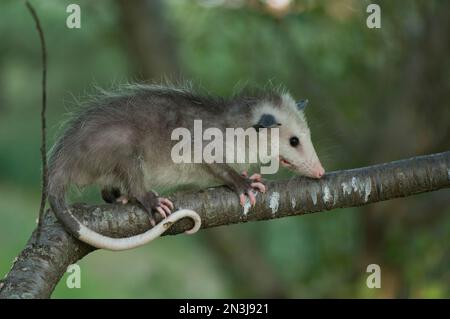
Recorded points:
(243,198)
(164,207)
(252,198)
(122,200)
(166,202)
(152,220)
(166,210)
(161,211)
(259,186)
(256,177)
(254,184)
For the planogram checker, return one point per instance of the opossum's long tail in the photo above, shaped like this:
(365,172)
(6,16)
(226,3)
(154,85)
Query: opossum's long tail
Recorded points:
(83,233)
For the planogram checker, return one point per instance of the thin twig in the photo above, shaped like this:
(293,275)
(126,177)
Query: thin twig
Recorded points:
(43,119)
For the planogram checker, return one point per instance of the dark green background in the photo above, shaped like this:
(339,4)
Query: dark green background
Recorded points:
(376,95)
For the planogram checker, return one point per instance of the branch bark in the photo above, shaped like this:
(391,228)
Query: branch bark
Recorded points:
(38,268)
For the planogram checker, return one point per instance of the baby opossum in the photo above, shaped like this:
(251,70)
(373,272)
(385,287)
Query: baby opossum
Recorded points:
(122,142)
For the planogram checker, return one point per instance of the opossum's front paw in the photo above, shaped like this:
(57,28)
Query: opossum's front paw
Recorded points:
(252,183)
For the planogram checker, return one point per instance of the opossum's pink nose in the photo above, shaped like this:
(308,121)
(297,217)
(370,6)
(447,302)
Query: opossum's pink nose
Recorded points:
(319,171)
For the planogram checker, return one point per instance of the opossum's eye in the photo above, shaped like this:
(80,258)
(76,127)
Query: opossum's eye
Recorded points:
(294,141)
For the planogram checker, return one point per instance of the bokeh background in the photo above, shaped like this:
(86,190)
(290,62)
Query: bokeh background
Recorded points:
(376,95)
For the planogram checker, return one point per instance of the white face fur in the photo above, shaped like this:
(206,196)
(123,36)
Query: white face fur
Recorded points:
(296,150)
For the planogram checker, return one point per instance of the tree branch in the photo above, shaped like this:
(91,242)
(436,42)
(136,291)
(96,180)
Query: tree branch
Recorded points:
(43,110)
(38,269)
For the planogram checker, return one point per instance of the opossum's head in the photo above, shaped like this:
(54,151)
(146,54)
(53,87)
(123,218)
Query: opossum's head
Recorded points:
(296,151)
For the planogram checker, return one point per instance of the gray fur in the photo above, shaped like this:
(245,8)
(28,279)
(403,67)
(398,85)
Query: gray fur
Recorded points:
(123,140)
(108,141)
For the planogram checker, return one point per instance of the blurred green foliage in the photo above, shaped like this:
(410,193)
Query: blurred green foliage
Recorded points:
(376,96)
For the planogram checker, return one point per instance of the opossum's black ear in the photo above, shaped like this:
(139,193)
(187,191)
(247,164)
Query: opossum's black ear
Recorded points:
(266,121)
(302,104)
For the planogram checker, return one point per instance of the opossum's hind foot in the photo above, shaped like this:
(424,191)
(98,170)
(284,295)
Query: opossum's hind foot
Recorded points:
(122,199)
(113,195)
(153,204)
(254,184)
(165,207)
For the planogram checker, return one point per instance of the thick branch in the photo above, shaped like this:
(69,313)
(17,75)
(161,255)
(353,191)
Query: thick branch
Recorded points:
(38,269)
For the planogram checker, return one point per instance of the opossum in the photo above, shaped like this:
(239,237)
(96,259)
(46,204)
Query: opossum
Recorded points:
(123,141)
